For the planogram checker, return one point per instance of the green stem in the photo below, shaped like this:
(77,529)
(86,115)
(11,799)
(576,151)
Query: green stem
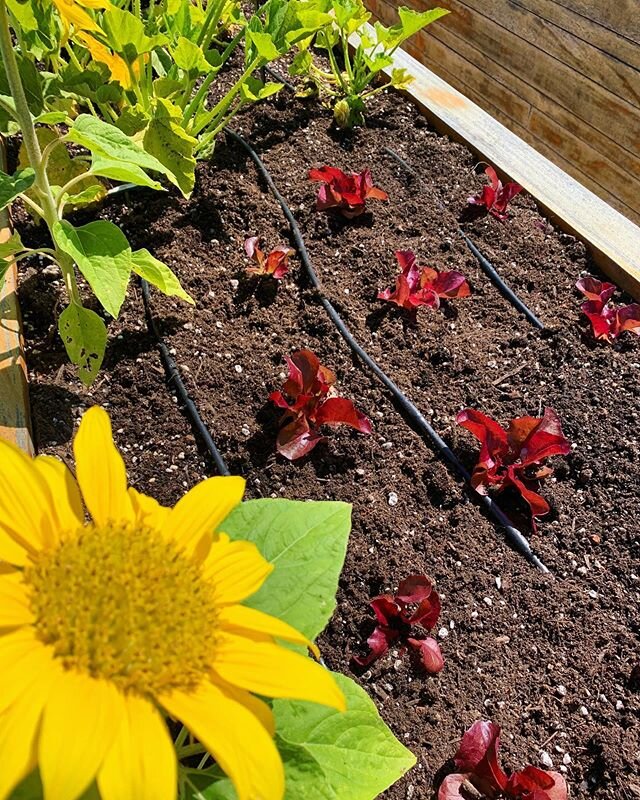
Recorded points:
(65,191)
(32,146)
(337,71)
(190,750)
(222,107)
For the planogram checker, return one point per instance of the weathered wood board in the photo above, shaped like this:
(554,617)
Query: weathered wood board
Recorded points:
(563,75)
(613,239)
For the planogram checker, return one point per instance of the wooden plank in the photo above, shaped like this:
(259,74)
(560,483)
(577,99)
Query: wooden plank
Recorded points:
(613,116)
(586,29)
(620,16)
(14,394)
(581,56)
(613,240)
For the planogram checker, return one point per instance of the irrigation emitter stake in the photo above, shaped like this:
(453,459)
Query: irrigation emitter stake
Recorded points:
(175,380)
(514,536)
(486,266)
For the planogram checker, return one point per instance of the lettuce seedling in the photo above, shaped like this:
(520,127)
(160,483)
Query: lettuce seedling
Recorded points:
(396,620)
(310,387)
(480,772)
(514,457)
(346,192)
(607,321)
(275,263)
(423,287)
(496,197)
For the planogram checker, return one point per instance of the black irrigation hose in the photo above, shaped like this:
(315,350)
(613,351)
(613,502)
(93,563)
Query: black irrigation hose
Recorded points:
(486,266)
(514,536)
(175,381)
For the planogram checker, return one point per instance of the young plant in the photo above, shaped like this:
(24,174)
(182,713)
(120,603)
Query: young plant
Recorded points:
(349,85)
(275,263)
(515,457)
(345,192)
(314,404)
(607,321)
(481,774)
(416,603)
(423,287)
(496,197)
(50,182)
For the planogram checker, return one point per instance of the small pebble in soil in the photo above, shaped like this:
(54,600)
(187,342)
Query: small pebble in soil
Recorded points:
(393,499)
(233,283)
(593,594)
(443,633)
(561,691)
(566,759)
(487,601)
(584,711)
(238,368)
(619,705)
(545,759)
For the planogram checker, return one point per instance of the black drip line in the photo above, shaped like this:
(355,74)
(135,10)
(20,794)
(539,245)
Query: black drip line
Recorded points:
(513,535)
(486,266)
(174,380)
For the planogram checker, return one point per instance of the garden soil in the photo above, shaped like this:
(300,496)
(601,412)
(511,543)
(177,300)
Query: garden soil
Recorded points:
(548,657)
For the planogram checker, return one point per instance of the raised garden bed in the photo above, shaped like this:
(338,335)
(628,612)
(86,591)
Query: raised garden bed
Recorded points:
(547,657)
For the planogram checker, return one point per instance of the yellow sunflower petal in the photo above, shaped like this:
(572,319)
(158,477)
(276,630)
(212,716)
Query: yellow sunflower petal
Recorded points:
(23,659)
(10,551)
(19,728)
(243,619)
(79,724)
(274,671)
(141,764)
(147,510)
(26,508)
(258,707)
(73,14)
(235,737)
(14,603)
(100,470)
(65,494)
(201,510)
(236,570)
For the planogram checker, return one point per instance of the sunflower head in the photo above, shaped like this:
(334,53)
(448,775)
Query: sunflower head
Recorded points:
(113,622)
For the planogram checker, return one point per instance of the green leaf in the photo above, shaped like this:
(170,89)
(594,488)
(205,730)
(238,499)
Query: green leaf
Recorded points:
(155,272)
(189,57)
(170,144)
(358,754)
(13,185)
(103,256)
(12,246)
(86,197)
(106,140)
(263,43)
(301,64)
(254,89)
(121,171)
(306,542)
(84,336)
(410,23)
(400,78)
(51,118)
(127,36)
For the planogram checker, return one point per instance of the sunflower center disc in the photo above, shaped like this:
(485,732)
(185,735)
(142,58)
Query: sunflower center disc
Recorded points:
(121,603)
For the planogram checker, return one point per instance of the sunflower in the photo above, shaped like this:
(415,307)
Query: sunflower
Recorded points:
(109,626)
(72,12)
(116,65)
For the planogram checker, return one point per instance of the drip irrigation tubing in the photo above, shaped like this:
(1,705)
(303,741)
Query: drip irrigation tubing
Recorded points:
(486,266)
(175,381)
(513,535)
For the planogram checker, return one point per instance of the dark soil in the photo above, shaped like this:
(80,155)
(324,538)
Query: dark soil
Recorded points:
(548,657)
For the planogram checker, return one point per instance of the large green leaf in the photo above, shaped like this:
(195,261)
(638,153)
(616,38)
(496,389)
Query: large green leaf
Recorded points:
(327,754)
(155,272)
(189,57)
(103,256)
(110,142)
(171,145)
(13,185)
(410,23)
(306,543)
(264,44)
(12,246)
(84,335)
(121,171)
(126,34)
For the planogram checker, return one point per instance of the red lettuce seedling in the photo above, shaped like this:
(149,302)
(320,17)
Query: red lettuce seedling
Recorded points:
(276,263)
(607,321)
(346,192)
(496,197)
(423,287)
(415,603)
(480,772)
(310,387)
(514,457)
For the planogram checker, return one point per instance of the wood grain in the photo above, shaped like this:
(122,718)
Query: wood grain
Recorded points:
(614,241)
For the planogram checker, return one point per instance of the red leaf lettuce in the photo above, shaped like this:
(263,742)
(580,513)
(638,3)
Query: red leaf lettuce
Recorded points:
(276,263)
(309,386)
(607,321)
(479,770)
(346,192)
(423,287)
(496,197)
(514,457)
(415,603)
